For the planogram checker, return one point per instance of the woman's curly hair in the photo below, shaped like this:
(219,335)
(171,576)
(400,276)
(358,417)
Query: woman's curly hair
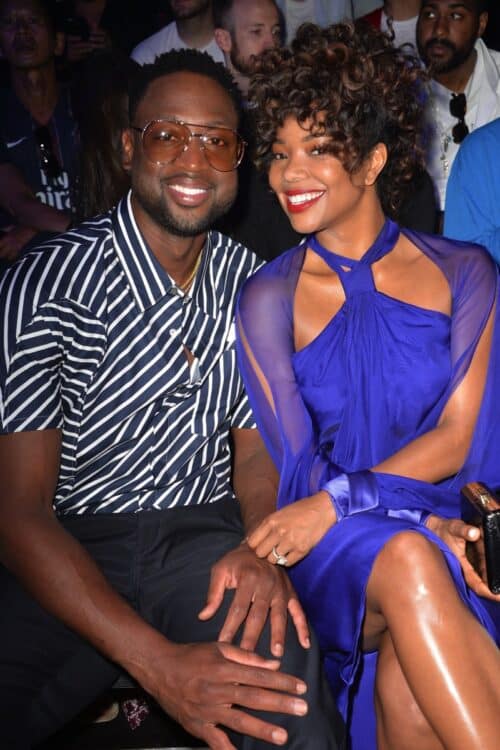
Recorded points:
(346,81)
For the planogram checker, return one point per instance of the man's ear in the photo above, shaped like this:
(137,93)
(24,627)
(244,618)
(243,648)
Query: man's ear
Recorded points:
(127,149)
(223,39)
(375,162)
(483,22)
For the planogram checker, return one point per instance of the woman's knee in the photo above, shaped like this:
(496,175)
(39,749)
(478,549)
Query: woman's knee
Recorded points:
(409,556)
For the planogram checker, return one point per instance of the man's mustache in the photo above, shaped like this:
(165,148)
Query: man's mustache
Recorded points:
(440,43)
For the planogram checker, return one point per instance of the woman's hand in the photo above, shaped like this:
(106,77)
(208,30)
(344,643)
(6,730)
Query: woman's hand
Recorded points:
(456,534)
(293,531)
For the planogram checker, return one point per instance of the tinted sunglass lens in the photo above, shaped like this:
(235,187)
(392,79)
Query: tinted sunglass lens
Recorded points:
(458,106)
(459,131)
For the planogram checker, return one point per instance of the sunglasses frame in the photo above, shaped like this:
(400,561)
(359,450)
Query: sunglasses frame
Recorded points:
(241,143)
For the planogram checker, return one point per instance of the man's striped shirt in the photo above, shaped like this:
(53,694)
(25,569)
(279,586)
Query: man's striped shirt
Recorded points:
(93,337)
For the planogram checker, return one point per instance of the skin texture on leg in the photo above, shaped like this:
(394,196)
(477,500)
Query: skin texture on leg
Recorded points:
(449,662)
(394,699)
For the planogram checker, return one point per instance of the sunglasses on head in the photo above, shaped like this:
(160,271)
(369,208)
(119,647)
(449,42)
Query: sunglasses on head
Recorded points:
(458,108)
(48,159)
(164,141)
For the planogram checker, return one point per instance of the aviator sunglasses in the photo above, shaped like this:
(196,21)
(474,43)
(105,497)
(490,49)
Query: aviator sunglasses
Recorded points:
(164,141)
(458,108)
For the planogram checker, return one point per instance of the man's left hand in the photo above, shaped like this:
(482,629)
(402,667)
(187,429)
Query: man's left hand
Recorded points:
(261,590)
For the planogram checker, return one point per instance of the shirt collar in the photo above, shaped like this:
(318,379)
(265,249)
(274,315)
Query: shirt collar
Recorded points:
(147,278)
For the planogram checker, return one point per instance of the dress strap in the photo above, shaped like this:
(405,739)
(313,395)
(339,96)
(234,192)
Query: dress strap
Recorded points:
(356,275)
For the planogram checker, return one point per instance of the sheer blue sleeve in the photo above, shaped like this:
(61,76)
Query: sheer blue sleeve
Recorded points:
(265,342)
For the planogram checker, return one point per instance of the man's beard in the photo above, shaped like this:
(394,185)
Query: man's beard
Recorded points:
(182,226)
(242,66)
(458,57)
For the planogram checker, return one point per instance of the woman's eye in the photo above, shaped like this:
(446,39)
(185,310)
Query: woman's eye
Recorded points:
(320,150)
(277,155)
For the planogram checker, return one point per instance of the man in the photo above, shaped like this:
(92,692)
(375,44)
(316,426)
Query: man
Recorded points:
(244,31)
(120,401)
(36,122)
(192,28)
(464,90)
(473,193)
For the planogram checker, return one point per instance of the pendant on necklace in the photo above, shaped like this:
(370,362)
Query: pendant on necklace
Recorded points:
(444,154)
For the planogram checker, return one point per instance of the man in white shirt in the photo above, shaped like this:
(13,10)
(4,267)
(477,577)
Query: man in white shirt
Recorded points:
(192,27)
(464,92)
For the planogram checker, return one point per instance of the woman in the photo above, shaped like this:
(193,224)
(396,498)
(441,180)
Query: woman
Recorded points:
(371,356)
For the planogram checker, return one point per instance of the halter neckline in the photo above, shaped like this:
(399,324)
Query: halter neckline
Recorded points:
(384,243)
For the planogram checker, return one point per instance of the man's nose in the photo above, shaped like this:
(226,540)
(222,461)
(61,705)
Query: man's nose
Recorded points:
(441,27)
(193,153)
(269,40)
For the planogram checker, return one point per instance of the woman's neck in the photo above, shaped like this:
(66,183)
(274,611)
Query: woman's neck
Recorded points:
(352,238)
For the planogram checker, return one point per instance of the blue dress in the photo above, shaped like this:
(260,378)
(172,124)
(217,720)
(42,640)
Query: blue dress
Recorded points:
(374,379)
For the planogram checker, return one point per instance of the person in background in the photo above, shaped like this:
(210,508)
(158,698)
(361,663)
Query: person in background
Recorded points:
(464,90)
(243,31)
(398,18)
(192,27)
(371,358)
(100,103)
(22,215)
(36,119)
(322,12)
(131,470)
(92,25)
(473,194)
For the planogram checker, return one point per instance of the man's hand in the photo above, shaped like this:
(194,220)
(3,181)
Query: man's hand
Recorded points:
(294,530)
(207,686)
(261,589)
(457,534)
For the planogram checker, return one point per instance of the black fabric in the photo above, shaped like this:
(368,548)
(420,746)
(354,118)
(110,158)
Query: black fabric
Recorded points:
(160,562)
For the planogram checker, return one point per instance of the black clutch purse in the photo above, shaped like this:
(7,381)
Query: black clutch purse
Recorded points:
(484,511)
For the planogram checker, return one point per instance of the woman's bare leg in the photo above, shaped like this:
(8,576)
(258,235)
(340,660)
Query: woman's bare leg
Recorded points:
(451,665)
(401,724)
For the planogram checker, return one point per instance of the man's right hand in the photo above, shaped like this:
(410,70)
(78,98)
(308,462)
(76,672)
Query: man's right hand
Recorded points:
(207,686)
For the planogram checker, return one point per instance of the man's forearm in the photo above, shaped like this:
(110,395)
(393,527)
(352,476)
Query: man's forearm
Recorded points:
(255,480)
(65,580)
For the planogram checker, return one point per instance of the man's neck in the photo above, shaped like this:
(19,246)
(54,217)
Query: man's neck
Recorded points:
(37,90)
(456,80)
(177,255)
(402,10)
(196,32)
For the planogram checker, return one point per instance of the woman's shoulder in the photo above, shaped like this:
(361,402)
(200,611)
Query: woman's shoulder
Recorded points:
(461,262)
(274,283)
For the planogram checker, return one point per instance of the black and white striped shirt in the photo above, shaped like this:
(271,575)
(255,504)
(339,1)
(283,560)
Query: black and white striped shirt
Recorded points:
(93,336)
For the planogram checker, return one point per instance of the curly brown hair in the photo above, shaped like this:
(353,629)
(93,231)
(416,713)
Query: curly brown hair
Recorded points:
(346,81)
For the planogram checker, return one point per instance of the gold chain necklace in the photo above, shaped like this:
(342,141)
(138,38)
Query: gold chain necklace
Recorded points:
(185,286)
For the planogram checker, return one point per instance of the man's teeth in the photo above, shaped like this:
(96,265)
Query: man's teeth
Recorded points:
(188,190)
(304,197)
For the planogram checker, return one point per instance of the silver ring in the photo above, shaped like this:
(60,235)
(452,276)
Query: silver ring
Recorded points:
(280,559)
